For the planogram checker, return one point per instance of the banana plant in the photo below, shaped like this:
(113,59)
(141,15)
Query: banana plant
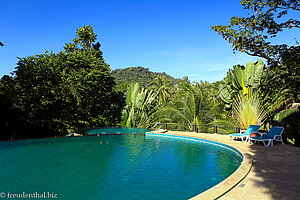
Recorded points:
(141,107)
(253,74)
(249,109)
(241,79)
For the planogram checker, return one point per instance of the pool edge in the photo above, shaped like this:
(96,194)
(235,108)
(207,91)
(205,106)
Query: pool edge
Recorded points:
(230,182)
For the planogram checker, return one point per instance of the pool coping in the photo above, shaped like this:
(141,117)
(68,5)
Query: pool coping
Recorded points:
(230,182)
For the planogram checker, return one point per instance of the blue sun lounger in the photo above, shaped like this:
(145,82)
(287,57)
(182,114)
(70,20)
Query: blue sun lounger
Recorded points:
(274,134)
(245,136)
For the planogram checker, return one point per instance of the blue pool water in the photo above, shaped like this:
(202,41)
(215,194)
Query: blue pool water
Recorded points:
(115,130)
(114,167)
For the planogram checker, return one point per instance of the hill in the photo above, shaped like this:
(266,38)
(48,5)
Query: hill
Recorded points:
(138,74)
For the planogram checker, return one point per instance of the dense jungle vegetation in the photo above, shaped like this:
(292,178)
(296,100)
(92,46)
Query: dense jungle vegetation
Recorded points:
(139,74)
(54,94)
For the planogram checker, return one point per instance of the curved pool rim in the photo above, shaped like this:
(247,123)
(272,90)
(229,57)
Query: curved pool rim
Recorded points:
(230,182)
(113,131)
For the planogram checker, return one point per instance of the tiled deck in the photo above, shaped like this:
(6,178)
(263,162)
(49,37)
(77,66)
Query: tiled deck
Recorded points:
(275,173)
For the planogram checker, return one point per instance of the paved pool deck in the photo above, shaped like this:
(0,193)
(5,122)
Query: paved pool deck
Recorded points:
(274,172)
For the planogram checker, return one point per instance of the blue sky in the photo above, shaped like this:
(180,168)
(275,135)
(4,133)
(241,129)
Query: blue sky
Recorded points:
(163,35)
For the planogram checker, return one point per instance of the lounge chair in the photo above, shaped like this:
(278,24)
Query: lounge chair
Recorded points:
(245,136)
(274,134)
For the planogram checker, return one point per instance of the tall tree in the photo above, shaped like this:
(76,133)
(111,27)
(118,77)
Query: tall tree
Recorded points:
(162,86)
(189,108)
(252,34)
(281,93)
(69,90)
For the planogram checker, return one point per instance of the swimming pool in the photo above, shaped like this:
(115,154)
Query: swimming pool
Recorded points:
(114,167)
(114,130)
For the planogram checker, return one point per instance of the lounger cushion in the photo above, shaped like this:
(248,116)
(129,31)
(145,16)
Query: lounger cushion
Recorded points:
(261,138)
(254,134)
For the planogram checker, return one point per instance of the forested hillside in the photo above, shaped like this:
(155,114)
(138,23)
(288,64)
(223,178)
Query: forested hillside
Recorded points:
(138,74)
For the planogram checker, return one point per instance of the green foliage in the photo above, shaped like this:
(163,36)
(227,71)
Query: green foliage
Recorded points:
(241,79)
(69,90)
(7,113)
(162,86)
(141,107)
(190,107)
(249,110)
(285,113)
(279,88)
(281,93)
(138,75)
(85,37)
(252,34)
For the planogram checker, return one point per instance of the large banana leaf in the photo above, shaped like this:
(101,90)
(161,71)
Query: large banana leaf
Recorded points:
(241,79)
(132,91)
(141,107)
(238,77)
(258,73)
(225,93)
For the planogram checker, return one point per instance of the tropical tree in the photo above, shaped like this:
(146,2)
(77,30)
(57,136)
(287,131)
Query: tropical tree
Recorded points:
(241,79)
(212,96)
(69,90)
(141,107)
(189,108)
(220,117)
(162,86)
(9,117)
(248,109)
(252,34)
(281,93)
(284,81)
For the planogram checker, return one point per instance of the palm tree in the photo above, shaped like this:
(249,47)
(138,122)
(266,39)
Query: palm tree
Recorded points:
(188,108)
(162,86)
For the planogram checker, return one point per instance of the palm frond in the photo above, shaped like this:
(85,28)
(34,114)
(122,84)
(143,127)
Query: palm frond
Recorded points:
(249,110)
(285,113)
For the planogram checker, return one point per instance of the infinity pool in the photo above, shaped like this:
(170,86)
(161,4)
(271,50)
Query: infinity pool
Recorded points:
(115,131)
(114,167)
